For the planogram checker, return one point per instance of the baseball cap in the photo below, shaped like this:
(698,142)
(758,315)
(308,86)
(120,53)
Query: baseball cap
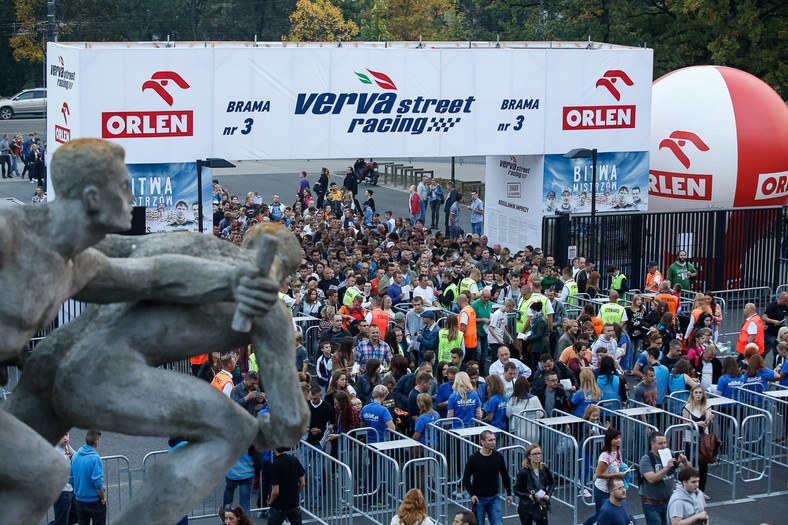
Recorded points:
(429,314)
(566,190)
(551,194)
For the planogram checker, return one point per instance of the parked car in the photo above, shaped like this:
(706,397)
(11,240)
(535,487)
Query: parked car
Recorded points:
(29,101)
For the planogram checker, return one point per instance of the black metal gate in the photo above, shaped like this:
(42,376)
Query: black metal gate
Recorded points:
(731,248)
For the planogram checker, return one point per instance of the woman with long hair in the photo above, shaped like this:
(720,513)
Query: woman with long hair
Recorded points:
(523,403)
(698,410)
(398,366)
(608,467)
(534,478)
(681,376)
(698,340)
(592,285)
(758,373)
(577,357)
(667,330)
(464,402)
(449,337)
(413,510)
(497,402)
(716,313)
(626,343)
(608,381)
(235,515)
(311,304)
(588,393)
(636,326)
(339,383)
(210,367)
(347,417)
(699,307)
(369,380)
(343,358)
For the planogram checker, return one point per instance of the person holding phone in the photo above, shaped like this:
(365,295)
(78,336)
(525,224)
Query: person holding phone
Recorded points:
(608,467)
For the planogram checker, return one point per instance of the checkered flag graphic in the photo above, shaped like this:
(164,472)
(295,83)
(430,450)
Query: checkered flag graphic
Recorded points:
(442,124)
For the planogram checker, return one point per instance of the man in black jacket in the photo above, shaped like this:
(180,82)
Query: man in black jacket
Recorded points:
(552,395)
(547,365)
(450,199)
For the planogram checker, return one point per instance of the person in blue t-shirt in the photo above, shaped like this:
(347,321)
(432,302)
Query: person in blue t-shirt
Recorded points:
(496,405)
(730,379)
(782,374)
(426,416)
(614,511)
(588,394)
(376,416)
(757,373)
(464,403)
(445,391)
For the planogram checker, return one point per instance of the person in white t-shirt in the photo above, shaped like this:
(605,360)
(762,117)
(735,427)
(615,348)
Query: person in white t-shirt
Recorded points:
(424,290)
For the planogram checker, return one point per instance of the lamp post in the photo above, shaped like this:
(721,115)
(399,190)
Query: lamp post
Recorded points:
(584,153)
(208,163)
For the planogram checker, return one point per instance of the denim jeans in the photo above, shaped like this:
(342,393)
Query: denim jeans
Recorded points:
(655,513)
(91,512)
(491,507)
(770,344)
(65,509)
(244,492)
(313,465)
(476,227)
(434,209)
(278,516)
(423,212)
(600,497)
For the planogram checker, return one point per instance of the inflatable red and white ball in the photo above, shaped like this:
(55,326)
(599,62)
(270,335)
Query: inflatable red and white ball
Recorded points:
(719,138)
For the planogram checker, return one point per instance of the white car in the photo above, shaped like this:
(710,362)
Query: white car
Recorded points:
(29,101)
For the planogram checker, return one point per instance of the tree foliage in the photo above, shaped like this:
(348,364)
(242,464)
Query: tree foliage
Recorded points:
(320,21)
(747,34)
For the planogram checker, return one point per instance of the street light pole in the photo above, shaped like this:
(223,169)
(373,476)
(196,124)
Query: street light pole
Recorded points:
(208,163)
(584,153)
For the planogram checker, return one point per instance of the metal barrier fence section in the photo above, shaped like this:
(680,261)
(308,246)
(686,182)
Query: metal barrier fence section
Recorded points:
(734,248)
(775,402)
(733,313)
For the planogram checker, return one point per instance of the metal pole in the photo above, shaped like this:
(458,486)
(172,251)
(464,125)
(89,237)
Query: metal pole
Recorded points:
(51,36)
(593,205)
(452,169)
(199,194)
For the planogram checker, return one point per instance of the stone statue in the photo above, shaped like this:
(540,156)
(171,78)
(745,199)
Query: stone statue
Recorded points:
(187,302)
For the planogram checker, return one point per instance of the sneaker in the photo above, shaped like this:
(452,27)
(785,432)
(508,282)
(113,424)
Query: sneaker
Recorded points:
(262,514)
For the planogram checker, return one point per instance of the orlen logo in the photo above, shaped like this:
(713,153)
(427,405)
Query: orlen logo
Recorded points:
(602,117)
(140,124)
(772,185)
(381,79)
(682,185)
(62,134)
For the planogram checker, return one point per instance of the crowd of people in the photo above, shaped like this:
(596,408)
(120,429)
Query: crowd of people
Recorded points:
(20,157)
(414,324)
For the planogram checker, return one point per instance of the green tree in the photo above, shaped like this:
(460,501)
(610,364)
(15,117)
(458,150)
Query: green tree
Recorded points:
(319,21)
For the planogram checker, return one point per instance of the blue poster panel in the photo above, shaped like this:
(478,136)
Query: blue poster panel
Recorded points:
(168,192)
(621,183)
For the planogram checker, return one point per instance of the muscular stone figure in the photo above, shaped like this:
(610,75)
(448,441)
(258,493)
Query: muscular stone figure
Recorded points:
(46,258)
(96,372)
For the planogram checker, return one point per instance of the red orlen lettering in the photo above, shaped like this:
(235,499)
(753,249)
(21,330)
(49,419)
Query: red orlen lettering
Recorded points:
(62,134)
(687,186)
(599,117)
(133,124)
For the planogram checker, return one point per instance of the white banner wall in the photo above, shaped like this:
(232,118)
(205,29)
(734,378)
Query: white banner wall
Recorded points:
(513,201)
(180,104)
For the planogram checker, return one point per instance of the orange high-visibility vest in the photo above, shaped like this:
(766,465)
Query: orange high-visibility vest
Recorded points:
(470,329)
(219,380)
(381,320)
(651,281)
(743,335)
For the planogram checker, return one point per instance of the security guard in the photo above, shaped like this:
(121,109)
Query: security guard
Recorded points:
(570,287)
(618,281)
(613,312)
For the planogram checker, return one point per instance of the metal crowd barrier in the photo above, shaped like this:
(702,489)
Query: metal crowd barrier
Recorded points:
(459,443)
(310,341)
(387,469)
(671,424)
(775,402)
(745,433)
(570,446)
(117,483)
(733,313)
(326,498)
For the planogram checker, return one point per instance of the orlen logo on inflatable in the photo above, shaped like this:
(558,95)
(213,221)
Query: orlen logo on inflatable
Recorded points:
(603,117)
(719,138)
(683,185)
(771,185)
(142,124)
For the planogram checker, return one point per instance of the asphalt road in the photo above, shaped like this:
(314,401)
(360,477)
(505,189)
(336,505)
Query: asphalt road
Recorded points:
(25,126)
